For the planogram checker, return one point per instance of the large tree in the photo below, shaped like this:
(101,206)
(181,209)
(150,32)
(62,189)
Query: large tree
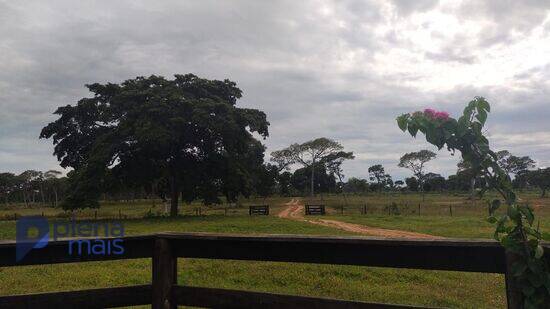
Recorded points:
(186,132)
(378,174)
(8,183)
(541,179)
(512,164)
(52,180)
(266,180)
(465,169)
(334,166)
(323,182)
(356,185)
(415,161)
(309,154)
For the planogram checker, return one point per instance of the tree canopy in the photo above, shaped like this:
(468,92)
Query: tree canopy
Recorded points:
(318,151)
(512,164)
(377,173)
(541,179)
(415,162)
(186,133)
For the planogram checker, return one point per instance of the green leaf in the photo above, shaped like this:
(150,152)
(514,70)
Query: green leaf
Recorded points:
(539,251)
(413,129)
(402,122)
(483,104)
(513,212)
(481,116)
(528,213)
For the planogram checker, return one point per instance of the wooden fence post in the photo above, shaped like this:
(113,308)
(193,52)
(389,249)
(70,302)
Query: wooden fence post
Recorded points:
(451,210)
(419,209)
(164,275)
(514,296)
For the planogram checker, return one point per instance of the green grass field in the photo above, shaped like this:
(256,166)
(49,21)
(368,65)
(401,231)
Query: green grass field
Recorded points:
(414,287)
(434,288)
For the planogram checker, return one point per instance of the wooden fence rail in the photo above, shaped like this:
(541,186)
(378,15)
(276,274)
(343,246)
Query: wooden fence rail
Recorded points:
(262,210)
(165,248)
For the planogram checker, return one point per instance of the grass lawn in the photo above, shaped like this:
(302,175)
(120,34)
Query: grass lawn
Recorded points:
(455,227)
(416,287)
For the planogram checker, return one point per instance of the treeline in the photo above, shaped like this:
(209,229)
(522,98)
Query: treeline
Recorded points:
(50,188)
(297,183)
(460,182)
(32,187)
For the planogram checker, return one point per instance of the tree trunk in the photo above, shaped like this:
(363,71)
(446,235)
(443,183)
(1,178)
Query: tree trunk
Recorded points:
(42,194)
(25,198)
(312,177)
(422,191)
(174,196)
(56,197)
(473,189)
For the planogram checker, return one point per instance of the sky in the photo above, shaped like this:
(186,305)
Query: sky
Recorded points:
(337,69)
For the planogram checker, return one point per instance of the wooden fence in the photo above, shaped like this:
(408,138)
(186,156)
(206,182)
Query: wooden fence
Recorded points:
(311,209)
(262,210)
(165,248)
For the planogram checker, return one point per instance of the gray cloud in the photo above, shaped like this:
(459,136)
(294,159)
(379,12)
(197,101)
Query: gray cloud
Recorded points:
(341,69)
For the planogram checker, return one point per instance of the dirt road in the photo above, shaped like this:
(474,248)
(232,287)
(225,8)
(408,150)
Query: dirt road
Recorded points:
(295,210)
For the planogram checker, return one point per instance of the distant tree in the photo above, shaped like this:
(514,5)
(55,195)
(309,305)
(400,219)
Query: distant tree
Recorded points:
(521,180)
(434,182)
(415,162)
(28,182)
(333,163)
(266,180)
(412,183)
(309,154)
(378,174)
(388,182)
(8,182)
(285,183)
(51,178)
(541,179)
(186,133)
(512,164)
(323,182)
(283,159)
(399,183)
(465,169)
(356,185)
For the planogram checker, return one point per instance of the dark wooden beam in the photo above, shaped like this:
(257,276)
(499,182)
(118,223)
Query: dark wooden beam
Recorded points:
(86,299)
(221,298)
(458,255)
(164,275)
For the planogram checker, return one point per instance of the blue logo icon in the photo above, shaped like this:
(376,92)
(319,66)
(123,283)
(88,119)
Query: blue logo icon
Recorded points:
(24,242)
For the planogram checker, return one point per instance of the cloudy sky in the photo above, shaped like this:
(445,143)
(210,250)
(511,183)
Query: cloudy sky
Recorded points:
(339,69)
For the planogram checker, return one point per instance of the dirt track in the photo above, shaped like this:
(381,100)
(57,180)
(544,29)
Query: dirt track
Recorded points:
(295,210)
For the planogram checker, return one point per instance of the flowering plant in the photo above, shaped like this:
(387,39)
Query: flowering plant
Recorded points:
(514,228)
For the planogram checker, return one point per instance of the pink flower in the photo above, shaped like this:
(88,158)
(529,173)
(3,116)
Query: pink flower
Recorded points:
(436,115)
(430,112)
